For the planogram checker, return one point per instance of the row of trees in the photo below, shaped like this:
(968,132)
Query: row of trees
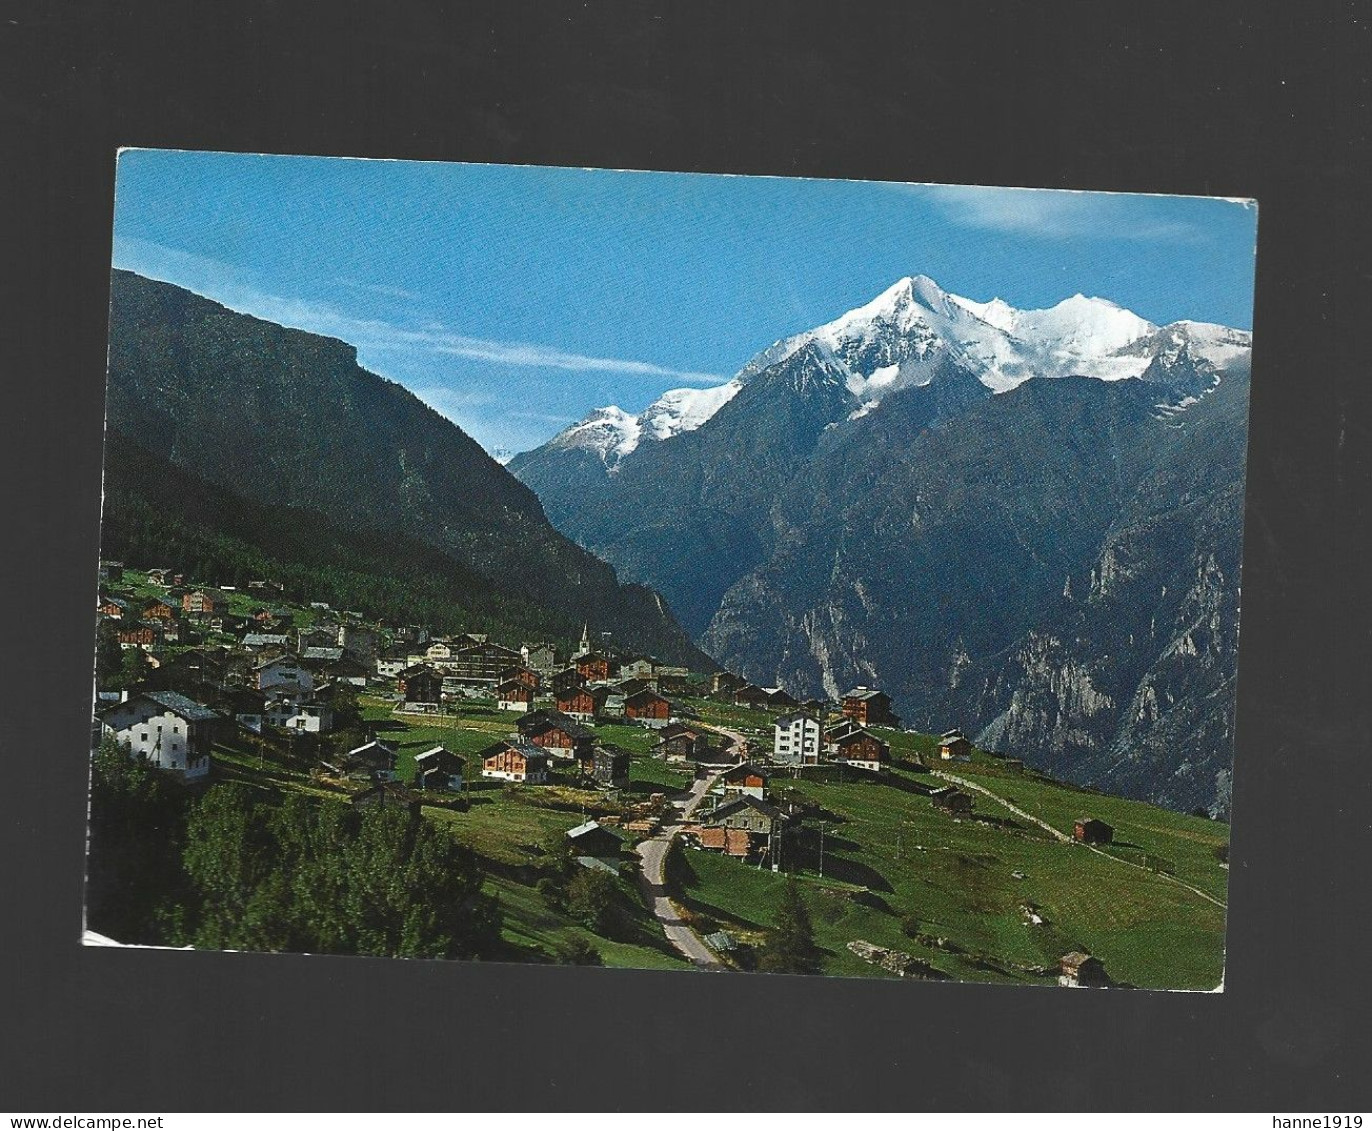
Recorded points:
(233,869)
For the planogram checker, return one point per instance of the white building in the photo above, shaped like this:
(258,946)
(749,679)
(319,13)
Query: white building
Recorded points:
(171,731)
(795,740)
(390,667)
(306,718)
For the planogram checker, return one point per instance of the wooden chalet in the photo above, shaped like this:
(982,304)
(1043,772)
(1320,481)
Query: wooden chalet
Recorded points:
(420,684)
(565,679)
(582,703)
(520,674)
(438,768)
(515,760)
(160,609)
(672,680)
(558,734)
(635,684)
(954,746)
(648,708)
(680,743)
(869,707)
(862,749)
(726,683)
(514,695)
(592,666)
(204,602)
(750,695)
(746,780)
(1088,830)
(141,635)
(114,607)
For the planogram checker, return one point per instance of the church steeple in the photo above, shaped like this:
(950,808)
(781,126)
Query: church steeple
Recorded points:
(585,639)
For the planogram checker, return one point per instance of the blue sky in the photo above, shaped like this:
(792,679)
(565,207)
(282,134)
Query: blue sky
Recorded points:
(514,299)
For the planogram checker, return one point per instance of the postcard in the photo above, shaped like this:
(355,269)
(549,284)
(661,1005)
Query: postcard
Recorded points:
(670,571)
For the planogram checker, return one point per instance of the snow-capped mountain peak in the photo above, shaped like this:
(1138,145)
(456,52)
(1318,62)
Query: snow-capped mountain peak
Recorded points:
(905,335)
(609,432)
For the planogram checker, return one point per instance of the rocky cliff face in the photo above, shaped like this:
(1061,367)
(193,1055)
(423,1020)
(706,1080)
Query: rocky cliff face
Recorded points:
(282,418)
(896,499)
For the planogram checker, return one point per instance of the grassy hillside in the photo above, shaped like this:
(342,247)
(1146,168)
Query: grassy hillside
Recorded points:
(904,858)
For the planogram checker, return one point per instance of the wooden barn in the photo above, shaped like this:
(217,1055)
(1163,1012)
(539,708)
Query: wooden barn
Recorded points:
(375,759)
(438,768)
(680,743)
(592,840)
(954,746)
(952,800)
(1079,969)
(1088,830)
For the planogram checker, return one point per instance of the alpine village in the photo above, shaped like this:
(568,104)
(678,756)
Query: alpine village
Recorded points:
(800,837)
(297,749)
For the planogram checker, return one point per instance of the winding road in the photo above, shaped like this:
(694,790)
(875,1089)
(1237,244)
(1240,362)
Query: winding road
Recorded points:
(652,876)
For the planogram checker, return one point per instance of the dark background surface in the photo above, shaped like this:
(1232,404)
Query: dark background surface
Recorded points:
(1235,99)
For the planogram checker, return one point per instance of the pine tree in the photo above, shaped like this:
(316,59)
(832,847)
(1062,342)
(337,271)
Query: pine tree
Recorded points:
(790,944)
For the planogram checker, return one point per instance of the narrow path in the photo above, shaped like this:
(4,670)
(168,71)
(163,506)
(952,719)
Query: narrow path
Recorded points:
(652,882)
(1067,839)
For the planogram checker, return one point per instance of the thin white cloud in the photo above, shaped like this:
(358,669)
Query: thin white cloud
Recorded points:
(377,289)
(225,284)
(546,357)
(1057,213)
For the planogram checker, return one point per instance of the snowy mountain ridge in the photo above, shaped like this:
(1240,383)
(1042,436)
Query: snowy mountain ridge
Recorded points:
(902,336)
